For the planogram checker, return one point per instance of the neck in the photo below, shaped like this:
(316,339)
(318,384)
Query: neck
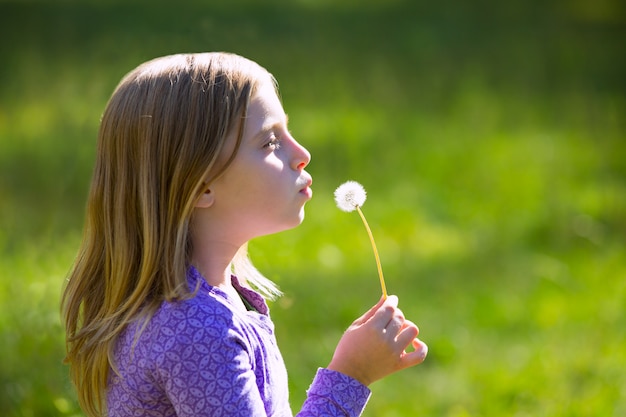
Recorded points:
(215,245)
(213,260)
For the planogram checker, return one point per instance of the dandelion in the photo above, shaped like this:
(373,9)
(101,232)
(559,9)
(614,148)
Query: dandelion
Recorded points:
(350,196)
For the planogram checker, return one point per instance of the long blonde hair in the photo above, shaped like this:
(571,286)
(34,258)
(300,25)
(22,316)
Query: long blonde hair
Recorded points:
(158,145)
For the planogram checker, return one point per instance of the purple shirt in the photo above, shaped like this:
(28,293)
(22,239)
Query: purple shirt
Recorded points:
(205,357)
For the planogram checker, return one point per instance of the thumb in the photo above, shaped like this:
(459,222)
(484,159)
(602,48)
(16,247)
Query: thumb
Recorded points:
(390,300)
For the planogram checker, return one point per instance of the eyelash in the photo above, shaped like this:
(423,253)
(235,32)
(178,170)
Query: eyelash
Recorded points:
(274,143)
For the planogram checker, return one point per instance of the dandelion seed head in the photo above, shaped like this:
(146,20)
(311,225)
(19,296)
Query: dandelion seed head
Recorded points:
(350,195)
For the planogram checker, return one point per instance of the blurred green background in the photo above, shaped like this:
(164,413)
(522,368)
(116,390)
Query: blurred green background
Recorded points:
(490,136)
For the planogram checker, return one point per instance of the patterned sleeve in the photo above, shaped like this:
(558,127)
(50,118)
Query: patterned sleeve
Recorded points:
(204,366)
(333,394)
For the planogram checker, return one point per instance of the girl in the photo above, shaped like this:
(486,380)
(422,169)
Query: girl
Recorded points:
(165,314)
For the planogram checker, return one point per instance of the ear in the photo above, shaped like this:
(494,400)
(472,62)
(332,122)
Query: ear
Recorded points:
(206,200)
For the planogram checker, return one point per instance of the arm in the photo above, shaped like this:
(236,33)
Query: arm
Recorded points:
(373,347)
(334,394)
(205,365)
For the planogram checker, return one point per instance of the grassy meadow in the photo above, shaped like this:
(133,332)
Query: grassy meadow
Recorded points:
(490,136)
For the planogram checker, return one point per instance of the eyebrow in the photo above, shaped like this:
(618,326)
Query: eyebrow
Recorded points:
(265,129)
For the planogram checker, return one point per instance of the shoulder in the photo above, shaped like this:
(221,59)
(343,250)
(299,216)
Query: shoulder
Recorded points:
(193,334)
(204,316)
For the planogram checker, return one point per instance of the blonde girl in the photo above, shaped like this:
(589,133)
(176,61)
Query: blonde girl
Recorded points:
(165,315)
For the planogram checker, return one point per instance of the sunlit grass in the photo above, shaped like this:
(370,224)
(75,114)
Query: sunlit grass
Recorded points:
(33,379)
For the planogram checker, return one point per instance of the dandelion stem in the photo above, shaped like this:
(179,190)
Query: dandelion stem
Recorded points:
(380,269)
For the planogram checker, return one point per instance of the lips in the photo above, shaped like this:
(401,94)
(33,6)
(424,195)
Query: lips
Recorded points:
(305,185)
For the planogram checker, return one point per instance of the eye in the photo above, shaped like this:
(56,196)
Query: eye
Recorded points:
(273,143)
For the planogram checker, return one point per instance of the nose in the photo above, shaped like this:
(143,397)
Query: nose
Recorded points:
(300,156)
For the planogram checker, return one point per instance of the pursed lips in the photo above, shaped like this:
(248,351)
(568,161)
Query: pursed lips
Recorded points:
(305,183)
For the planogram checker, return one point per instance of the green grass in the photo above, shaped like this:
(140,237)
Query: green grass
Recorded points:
(490,139)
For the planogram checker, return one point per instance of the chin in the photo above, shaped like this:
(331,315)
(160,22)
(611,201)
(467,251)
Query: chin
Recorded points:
(296,221)
(300,217)
(286,225)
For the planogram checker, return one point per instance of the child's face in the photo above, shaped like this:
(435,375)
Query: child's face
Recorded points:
(265,188)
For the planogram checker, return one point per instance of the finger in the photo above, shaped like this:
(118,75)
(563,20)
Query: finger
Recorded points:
(420,345)
(409,323)
(386,312)
(395,325)
(407,335)
(383,305)
(370,313)
(391,300)
(415,357)
(397,321)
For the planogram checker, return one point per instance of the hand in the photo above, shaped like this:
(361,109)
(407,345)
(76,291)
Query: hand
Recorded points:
(374,346)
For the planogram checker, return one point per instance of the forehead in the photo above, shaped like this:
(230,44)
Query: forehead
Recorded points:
(264,110)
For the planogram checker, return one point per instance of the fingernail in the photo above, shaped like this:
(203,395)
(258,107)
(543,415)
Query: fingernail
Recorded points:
(393,299)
